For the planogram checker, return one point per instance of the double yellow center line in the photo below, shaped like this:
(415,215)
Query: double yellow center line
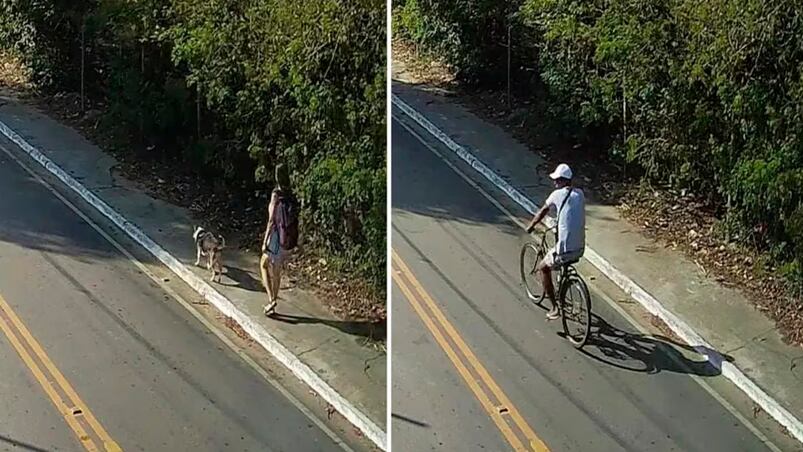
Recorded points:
(90,433)
(501,410)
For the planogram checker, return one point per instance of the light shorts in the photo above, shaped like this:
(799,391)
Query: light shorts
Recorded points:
(553,260)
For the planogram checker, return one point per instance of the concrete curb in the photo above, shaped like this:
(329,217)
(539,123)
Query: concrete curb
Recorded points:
(650,303)
(223,304)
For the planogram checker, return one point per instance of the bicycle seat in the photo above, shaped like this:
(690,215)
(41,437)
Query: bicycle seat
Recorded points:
(570,262)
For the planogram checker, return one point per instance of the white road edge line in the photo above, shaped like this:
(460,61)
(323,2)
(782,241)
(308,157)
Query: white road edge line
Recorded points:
(223,304)
(187,305)
(601,293)
(650,303)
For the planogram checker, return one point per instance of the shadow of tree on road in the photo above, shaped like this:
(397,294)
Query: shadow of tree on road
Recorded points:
(423,185)
(34,219)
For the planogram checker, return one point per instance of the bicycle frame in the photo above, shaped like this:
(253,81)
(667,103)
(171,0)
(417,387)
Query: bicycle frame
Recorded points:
(565,270)
(566,273)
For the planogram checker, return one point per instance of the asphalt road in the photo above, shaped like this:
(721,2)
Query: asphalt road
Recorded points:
(476,366)
(93,353)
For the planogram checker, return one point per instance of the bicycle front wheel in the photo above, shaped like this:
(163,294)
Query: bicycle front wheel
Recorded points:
(576,310)
(531,255)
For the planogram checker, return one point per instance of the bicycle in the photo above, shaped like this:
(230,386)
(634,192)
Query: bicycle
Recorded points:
(570,309)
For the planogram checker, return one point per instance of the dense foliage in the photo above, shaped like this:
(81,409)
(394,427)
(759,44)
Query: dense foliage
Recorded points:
(235,87)
(702,95)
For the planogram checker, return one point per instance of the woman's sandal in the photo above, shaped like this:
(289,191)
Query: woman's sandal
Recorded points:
(270,309)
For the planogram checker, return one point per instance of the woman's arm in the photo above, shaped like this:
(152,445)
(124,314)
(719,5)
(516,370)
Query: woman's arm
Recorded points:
(279,221)
(269,226)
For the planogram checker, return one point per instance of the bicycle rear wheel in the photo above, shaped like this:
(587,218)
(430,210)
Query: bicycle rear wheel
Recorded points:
(576,310)
(531,255)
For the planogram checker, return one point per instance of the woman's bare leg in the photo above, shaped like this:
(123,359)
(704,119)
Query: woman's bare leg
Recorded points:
(276,273)
(267,281)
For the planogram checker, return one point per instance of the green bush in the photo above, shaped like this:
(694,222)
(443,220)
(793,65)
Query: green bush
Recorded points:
(348,197)
(471,35)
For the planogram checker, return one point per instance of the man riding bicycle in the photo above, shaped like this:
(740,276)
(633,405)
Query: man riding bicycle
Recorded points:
(569,203)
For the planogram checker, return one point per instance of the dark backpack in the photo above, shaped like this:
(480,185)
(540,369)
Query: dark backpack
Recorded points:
(289,233)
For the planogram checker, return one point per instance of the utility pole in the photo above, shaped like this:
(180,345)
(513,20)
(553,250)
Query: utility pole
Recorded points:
(83,53)
(198,108)
(142,88)
(509,100)
(624,128)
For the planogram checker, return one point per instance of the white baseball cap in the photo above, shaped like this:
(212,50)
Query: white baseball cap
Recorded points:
(562,171)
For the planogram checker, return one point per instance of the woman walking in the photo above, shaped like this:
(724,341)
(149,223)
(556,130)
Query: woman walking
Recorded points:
(273,252)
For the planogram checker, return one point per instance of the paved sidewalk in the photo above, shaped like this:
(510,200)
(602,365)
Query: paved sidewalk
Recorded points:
(722,316)
(335,350)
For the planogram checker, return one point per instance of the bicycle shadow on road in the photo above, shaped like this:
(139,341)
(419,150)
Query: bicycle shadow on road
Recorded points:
(650,354)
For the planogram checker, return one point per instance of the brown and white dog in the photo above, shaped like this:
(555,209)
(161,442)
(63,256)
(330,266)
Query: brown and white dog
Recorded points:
(210,246)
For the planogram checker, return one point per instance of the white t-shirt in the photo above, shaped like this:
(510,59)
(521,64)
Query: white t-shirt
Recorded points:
(571,220)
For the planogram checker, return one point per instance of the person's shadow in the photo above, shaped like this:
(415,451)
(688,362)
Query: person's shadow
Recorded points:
(650,354)
(371,330)
(243,279)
